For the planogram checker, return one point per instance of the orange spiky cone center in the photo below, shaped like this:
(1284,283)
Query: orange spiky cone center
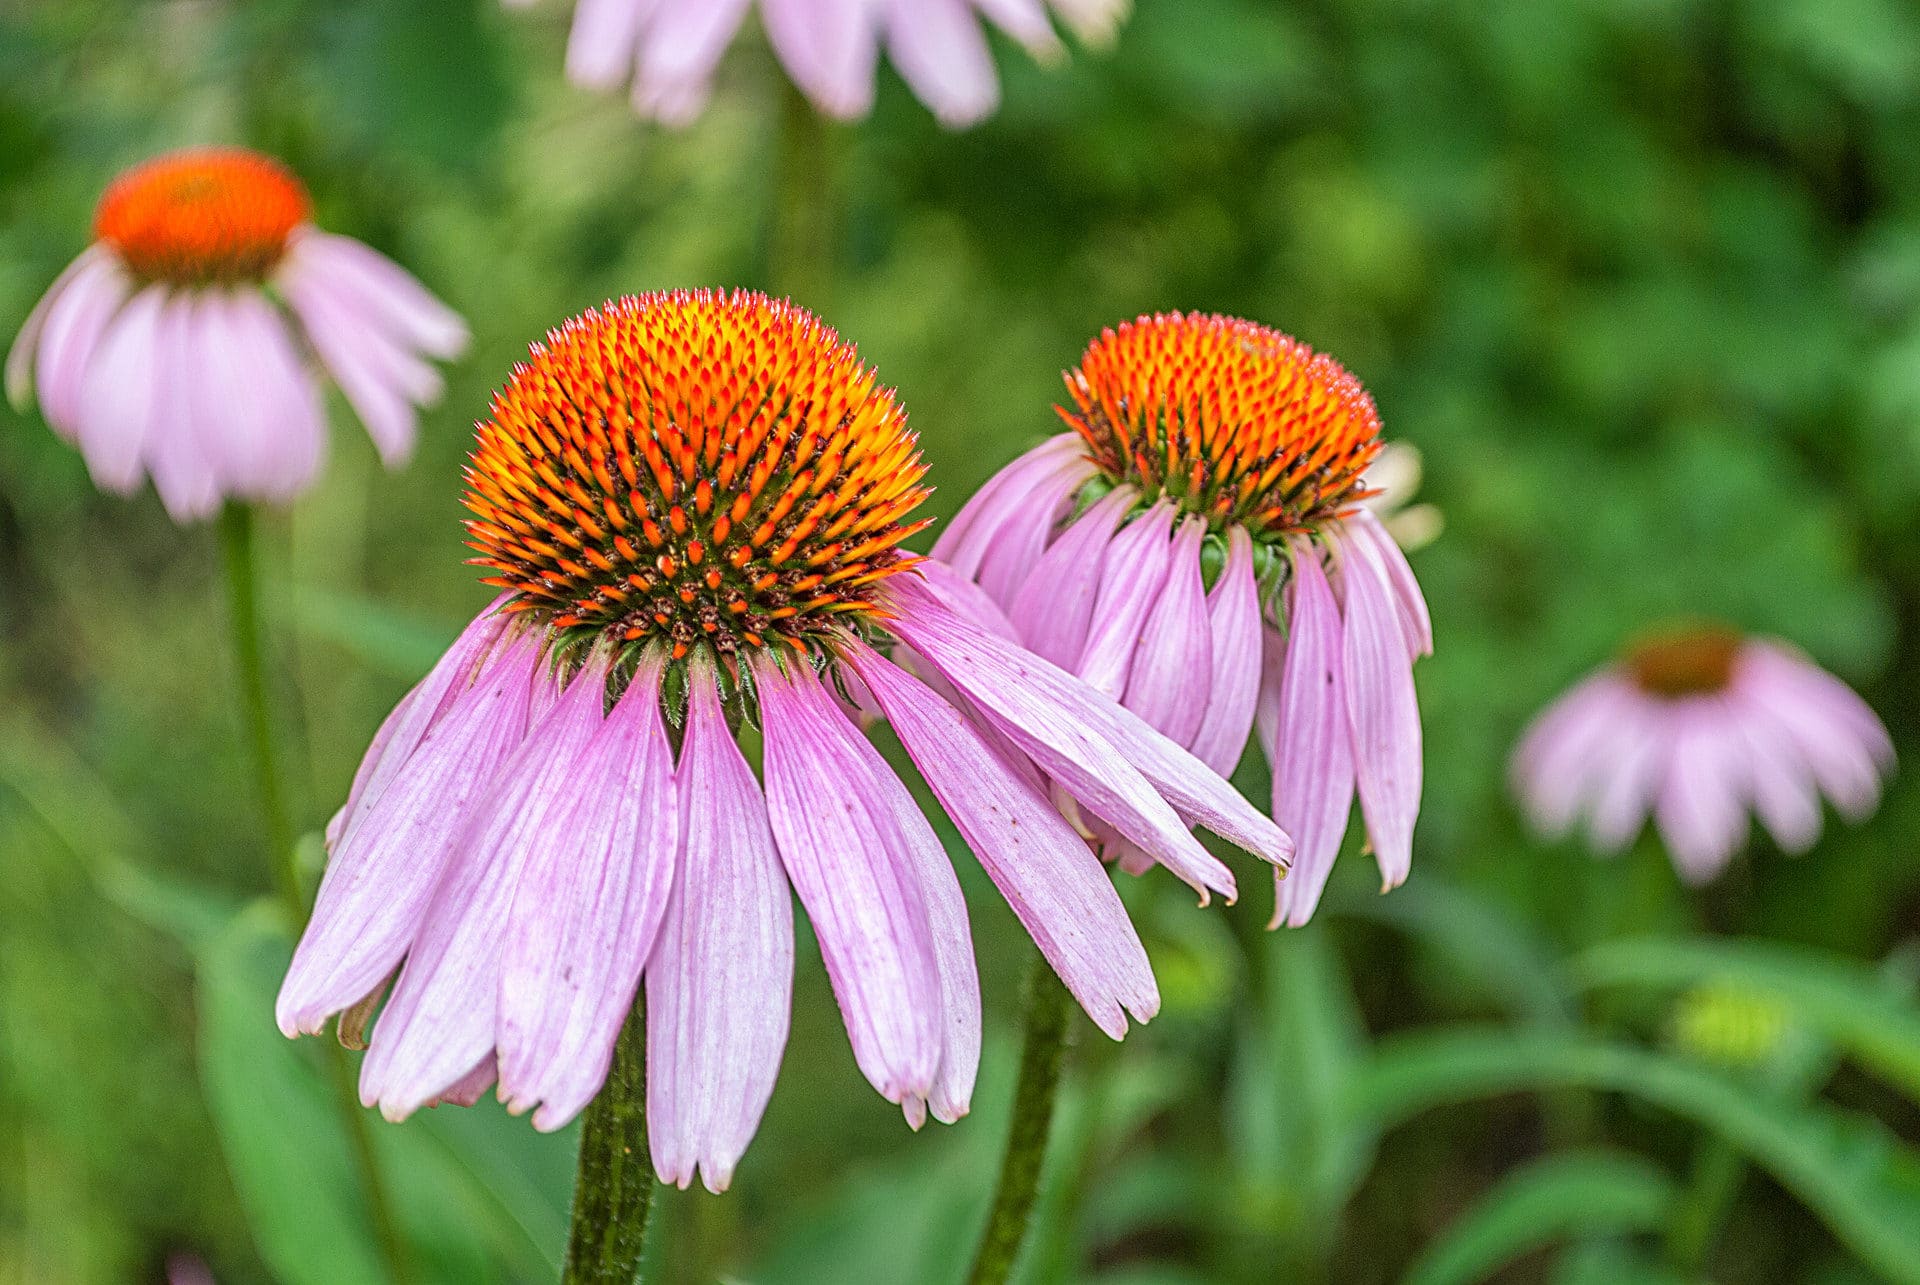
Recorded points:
(696,468)
(202,216)
(1233,421)
(1684,660)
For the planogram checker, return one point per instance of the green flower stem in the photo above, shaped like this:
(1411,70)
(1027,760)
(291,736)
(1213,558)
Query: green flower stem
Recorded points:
(237,546)
(613,1191)
(1048,1010)
(801,238)
(1718,1169)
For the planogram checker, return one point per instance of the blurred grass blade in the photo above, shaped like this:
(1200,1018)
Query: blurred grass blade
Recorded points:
(469,1214)
(1858,1009)
(1575,1193)
(1850,1170)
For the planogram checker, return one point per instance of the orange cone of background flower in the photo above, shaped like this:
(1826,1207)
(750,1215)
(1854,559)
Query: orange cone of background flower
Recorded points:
(184,344)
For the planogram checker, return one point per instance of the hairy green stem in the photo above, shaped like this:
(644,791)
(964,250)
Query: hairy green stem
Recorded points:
(1048,1011)
(613,1189)
(237,546)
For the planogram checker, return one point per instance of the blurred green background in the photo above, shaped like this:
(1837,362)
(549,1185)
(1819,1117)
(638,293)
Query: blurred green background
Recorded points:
(1641,279)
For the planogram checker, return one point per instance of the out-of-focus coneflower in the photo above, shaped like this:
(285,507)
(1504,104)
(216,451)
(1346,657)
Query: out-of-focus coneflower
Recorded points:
(1699,724)
(182,344)
(694,504)
(668,49)
(1200,547)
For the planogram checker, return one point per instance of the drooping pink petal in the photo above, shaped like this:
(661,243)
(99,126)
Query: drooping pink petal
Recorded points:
(444,1014)
(1630,758)
(1055,602)
(1026,21)
(1234,628)
(1000,534)
(1700,809)
(183,475)
(1556,769)
(119,401)
(587,909)
(1410,602)
(1046,872)
(1170,682)
(1826,727)
(1131,579)
(1382,710)
(829,48)
(1785,794)
(472,1086)
(604,42)
(382,874)
(1313,769)
(256,410)
(1056,720)
(19,384)
(383,294)
(720,981)
(683,44)
(843,852)
(940,51)
(70,339)
(1774,664)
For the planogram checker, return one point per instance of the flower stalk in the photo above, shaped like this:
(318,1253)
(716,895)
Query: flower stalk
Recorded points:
(238,549)
(613,1191)
(1035,1094)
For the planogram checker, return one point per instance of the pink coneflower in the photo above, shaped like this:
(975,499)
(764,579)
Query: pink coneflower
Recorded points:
(1697,725)
(1198,548)
(178,346)
(668,49)
(694,504)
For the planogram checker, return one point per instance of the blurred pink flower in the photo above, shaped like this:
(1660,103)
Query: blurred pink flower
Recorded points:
(177,346)
(1209,448)
(523,841)
(1696,726)
(668,49)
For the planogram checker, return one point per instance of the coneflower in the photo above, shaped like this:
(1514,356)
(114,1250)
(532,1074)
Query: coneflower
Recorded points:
(1697,724)
(694,505)
(1199,547)
(181,345)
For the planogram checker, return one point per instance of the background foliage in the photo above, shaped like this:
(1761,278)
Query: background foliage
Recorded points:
(1640,277)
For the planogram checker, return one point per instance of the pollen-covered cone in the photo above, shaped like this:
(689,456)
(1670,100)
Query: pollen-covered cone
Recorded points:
(694,505)
(668,49)
(1700,726)
(1201,548)
(187,343)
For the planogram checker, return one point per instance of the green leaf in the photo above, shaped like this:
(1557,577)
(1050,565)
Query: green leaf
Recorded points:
(1560,1195)
(1849,1169)
(470,1209)
(1848,1003)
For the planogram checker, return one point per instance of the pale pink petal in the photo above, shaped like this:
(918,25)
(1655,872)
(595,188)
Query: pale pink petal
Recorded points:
(842,850)
(1054,604)
(1700,809)
(829,48)
(375,376)
(379,882)
(471,1087)
(1046,872)
(1408,599)
(183,474)
(940,51)
(256,412)
(1774,663)
(1631,760)
(95,261)
(1561,759)
(999,536)
(1785,794)
(587,909)
(1024,20)
(720,982)
(1234,627)
(1170,682)
(69,339)
(444,1014)
(682,45)
(1382,710)
(605,41)
(119,402)
(1131,577)
(1313,769)
(378,291)
(1827,727)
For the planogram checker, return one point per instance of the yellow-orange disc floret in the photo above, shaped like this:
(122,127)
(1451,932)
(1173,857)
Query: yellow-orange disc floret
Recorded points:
(203,215)
(695,467)
(1231,420)
(1684,660)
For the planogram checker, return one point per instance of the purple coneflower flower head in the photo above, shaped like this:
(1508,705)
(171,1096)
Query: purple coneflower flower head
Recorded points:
(1699,725)
(694,504)
(1200,548)
(668,49)
(183,344)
